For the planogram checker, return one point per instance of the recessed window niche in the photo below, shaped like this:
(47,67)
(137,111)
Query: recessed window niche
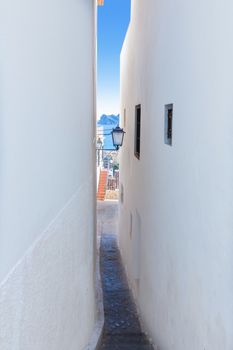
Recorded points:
(137,136)
(168,124)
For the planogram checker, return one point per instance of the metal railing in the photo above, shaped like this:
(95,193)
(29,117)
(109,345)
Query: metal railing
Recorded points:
(113,181)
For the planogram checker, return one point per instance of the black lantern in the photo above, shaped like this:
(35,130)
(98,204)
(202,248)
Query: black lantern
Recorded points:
(117,137)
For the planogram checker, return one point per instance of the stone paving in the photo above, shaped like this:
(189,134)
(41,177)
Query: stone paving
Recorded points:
(122,329)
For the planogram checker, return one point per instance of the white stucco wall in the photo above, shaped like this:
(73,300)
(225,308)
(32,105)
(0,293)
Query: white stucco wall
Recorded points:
(178,248)
(47,180)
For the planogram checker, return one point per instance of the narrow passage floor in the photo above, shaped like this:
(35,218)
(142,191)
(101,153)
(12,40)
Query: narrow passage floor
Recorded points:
(122,329)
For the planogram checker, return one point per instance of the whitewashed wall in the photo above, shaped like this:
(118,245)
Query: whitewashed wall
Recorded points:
(178,246)
(47,106)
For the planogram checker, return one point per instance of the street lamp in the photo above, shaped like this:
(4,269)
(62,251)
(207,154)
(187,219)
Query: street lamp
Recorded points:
(99,146)
(117,137)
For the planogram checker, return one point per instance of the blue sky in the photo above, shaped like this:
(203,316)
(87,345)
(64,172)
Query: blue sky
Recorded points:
(113,20)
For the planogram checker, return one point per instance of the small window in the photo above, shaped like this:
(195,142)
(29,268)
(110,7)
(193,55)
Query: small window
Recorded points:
(168,124)
(137,131)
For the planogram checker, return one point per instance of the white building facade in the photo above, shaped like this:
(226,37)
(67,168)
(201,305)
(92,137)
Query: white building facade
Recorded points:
(47,180)
(176,203)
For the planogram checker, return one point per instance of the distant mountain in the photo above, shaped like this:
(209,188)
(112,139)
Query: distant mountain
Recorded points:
(107,123)
(109,120)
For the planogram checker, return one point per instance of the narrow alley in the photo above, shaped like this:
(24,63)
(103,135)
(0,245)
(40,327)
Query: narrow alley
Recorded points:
(122,328)
(127,103)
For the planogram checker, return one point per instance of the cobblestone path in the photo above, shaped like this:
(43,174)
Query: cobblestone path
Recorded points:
(122,329)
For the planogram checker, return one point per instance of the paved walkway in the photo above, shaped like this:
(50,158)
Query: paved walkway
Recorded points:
(122,329)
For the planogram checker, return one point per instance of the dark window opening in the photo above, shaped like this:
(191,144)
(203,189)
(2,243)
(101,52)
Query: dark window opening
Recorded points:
(168,124)
(137,131)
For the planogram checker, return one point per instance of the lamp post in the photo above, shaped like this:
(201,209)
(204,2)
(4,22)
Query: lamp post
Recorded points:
(99,146)
(117,137)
